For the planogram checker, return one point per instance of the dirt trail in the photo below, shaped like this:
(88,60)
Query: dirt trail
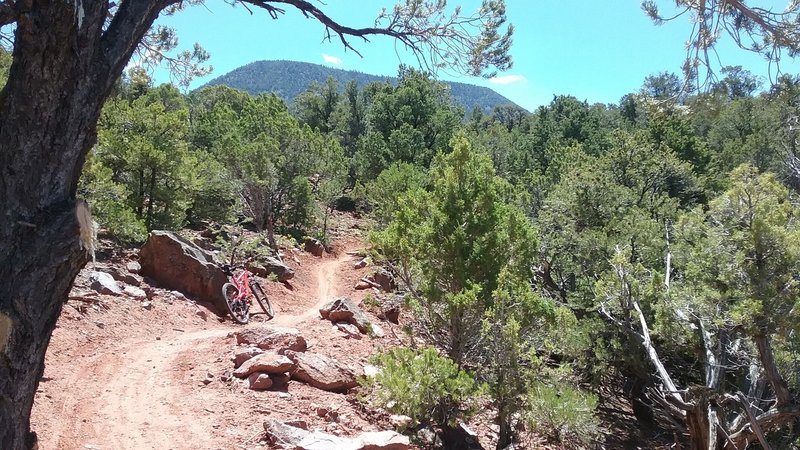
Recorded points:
(141,392)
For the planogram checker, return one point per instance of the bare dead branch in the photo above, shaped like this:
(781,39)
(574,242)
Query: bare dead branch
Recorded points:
(753,421)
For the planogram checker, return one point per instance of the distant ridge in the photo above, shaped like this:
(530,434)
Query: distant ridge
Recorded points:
(288,79)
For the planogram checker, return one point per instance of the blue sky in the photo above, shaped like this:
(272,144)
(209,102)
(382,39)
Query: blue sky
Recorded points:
(595,50)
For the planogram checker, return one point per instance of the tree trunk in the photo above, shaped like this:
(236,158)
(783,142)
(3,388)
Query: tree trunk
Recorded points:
(270,224)
(63,69)
(778,383)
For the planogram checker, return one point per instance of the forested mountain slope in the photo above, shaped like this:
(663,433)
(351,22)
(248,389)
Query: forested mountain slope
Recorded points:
(289,78)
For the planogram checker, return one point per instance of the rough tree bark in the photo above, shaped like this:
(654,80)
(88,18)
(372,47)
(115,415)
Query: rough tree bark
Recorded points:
(63,69)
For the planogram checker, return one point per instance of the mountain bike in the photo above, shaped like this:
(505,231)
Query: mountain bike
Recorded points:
(238,294)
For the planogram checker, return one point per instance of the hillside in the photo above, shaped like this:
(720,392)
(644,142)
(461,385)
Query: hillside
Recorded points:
(288,79)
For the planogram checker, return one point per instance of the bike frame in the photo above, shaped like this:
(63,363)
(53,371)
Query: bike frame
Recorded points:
(242,283)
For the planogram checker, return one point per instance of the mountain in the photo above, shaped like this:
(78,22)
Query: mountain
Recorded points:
(288,79)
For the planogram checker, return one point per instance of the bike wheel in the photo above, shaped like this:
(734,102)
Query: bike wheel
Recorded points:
(238,309)
(262,299)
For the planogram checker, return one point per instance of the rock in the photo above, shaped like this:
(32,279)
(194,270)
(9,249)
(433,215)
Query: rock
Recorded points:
(382,440)
(428,437)
(390,313)
(376,331)
(302,424)
(269,363)
(177,264)
(280,381)
(371,371)
(345,310)
(314,246)
(400,421)
(133,280)
(243,355)
(273,266)
(135,292)
(125,277)
(283,435)
(349,330)
(362,285)
(384,279)
(146,305)
(104,283)
(361,264)
(286,436)
(259,381)
(201,314)
(322,372)
(321,411)
(133,267)
(272,338)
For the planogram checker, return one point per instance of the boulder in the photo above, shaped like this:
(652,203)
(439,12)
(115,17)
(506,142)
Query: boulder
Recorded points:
(273,266)
(287,436)
(272,338)
(259,381)
(104,283)
(244,354)
(322,372)
(177,264)
(345,310)
(269,363)
(314,246)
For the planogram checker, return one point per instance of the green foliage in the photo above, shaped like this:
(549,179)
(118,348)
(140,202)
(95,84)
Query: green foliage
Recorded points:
(292,78)
(740,257)
(383,193)
(450,236)
(143,142)
(409,123)
(316,106)
(280,165)
(564,413)
(423,385)
(107,200)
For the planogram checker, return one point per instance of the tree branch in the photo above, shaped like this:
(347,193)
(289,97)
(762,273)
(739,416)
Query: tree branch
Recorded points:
(753,421)
(770,420)
(123,35)
(779,386)
(8,13)
(469,44)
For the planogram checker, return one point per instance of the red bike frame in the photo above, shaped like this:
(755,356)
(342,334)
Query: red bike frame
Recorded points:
(242,283)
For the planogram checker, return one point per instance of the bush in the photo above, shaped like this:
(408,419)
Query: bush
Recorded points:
(423,385)
(107,202)
(563,413)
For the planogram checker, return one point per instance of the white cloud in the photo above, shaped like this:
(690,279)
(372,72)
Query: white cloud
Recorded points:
(507,79)
(332,59)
